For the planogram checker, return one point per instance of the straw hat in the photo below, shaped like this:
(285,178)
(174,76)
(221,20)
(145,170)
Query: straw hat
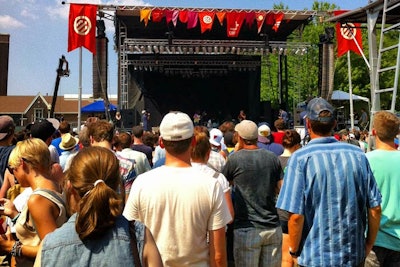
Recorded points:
(68,142)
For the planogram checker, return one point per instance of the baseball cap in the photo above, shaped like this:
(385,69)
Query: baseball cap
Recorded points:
(176,126)
(6,126)
(215,137)
(42,129)
(68,142)
(263,132)
(247,130)
(316,106)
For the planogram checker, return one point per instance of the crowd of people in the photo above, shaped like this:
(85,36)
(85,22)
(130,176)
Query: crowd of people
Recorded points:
(242,194)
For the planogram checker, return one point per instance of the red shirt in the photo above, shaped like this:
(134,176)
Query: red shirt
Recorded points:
(278,137)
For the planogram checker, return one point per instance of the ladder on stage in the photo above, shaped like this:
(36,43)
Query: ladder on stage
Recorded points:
(387,75)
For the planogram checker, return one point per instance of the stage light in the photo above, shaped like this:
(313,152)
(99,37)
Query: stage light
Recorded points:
(221,49)
(197,50)
(137,48)
(233,50)
(204,50)
(180,50)
(227,49)
(156,50)
(215,49)
(162,49)
(173,49)
(149,49)
(168,50)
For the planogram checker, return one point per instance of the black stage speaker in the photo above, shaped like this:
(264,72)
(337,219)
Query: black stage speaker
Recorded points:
(130,118)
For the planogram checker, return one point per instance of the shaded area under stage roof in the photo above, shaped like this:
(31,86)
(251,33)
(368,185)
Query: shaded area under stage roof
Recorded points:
(130,16)
(359,15)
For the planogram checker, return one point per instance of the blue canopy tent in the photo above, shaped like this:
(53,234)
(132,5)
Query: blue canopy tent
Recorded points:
(97,107)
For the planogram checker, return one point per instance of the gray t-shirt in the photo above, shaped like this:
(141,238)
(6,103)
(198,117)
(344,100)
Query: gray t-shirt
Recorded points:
(255,174)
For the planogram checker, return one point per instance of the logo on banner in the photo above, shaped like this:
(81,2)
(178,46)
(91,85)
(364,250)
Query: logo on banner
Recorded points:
(233,30)
(82,25)
(207,19)
(348,32)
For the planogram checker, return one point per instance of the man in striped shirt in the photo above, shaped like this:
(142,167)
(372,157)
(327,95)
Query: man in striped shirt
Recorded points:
(332,197)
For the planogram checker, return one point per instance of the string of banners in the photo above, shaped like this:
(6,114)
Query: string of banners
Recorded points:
(82,22)
(234,19)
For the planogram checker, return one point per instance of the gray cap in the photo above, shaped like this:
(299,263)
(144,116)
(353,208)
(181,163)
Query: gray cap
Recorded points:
(316,106)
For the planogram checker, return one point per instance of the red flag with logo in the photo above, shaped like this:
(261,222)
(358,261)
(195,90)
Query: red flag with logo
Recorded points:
(260,18)
(347,35)
(278,20)
(82,27)
(206,20)
(234,21)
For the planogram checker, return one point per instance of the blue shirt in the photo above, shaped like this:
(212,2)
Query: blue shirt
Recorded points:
(331,184)
(63,247)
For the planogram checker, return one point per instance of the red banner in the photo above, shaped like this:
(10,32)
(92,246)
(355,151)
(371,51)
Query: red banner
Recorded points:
(347,35)
(157,15)
(82,27)
(234,21)
(260,18)
(278,20)
(192,19)
(206,20)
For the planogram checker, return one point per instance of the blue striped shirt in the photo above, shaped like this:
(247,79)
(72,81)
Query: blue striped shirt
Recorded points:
(331,184)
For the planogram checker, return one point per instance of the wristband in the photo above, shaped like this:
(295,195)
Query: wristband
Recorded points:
(16,250)
(294,253)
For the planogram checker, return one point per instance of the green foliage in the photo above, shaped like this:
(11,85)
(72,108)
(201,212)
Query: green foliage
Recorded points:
(303,67)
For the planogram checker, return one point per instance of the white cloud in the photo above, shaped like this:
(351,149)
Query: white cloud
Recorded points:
(29,14)
(8,22)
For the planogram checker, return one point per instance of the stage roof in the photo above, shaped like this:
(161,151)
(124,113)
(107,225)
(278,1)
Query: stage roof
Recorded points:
(359,15)
(136,29)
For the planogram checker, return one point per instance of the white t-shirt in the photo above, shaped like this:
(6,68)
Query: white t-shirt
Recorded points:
(217,175)
(179,206)
(142,163)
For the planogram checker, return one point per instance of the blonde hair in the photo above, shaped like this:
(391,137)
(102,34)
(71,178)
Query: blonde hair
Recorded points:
(100,204)
(386,125)
(34,152)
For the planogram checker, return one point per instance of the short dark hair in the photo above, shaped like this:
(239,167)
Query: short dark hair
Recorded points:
(323,127)
(137,131)
(177,147)
(125,140)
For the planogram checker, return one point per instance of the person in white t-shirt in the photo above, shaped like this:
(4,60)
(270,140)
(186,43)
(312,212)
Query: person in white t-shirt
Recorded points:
(179,204)
(199,156)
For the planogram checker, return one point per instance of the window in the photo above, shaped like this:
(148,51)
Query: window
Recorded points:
(38,114)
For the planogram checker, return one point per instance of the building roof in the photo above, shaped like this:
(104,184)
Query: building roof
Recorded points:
(20,104)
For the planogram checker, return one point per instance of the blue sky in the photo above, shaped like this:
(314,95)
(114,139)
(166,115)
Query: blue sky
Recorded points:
(38,37)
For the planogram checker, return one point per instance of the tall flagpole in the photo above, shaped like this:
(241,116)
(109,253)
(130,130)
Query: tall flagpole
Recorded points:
(350,91)
(80,90)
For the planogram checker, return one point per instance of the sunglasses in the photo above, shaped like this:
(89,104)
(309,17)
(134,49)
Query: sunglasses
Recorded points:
(10,169)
